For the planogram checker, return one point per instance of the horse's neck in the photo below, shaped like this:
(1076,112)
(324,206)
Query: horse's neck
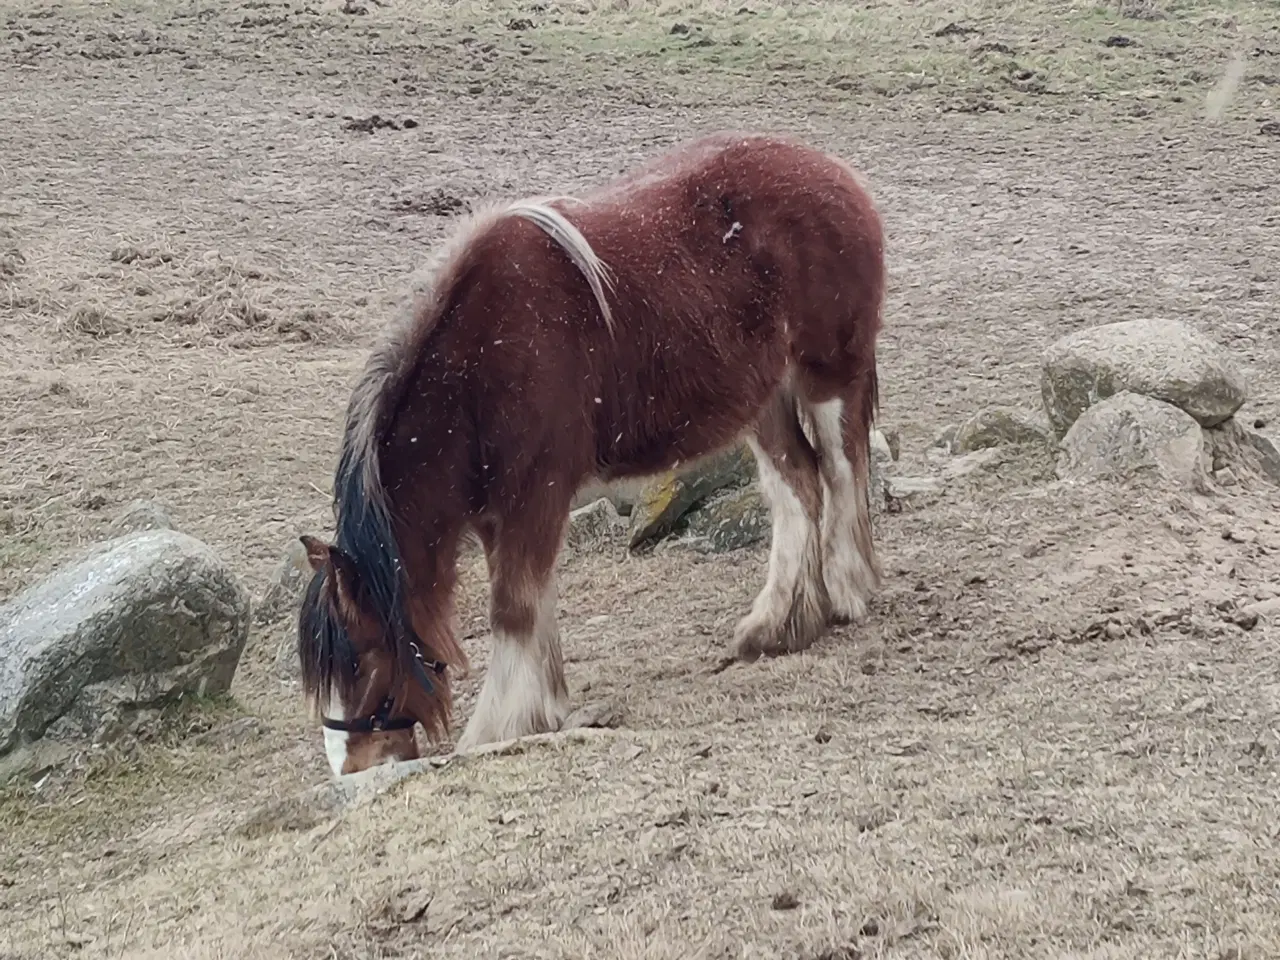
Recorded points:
(430,566)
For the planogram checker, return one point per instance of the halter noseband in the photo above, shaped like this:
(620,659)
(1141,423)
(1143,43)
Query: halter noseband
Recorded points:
(382,721)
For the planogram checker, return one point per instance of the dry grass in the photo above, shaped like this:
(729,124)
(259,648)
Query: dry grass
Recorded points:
(934,785)
(213,298)
(1051,738)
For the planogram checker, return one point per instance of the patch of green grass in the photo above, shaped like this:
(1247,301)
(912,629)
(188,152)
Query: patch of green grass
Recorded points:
(1071,51)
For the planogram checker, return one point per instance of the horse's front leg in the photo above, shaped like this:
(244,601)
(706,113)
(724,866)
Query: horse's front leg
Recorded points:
(524,689)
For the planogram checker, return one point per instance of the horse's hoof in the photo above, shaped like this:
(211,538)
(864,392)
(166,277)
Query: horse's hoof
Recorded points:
(753,640)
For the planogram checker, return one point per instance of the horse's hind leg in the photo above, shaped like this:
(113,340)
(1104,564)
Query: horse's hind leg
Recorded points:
(792,609)
(842,432)
(524,688)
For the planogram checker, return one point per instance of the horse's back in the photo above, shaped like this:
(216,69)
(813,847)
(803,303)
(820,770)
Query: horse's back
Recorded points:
(759,236)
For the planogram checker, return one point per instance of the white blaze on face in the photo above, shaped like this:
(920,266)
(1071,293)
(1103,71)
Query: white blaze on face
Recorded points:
(335,741)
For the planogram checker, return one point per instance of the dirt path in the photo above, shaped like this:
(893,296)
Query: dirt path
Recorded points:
(1052,738)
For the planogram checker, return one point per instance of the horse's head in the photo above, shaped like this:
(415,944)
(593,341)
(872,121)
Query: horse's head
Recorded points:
(370,685)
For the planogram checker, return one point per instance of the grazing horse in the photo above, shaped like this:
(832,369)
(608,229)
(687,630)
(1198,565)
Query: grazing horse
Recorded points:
(730,289)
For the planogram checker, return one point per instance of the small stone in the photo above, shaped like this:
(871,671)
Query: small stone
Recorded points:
(880,448)
(595,524)
(784,900)
(598,714)
(900,488)
(621,493)
(1226,477)
(140,515)
(996,426)
(1247,619)
(289,581)
(972,463)
(1242,451)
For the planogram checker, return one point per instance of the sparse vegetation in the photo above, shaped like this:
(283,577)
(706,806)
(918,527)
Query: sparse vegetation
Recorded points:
(1053,732)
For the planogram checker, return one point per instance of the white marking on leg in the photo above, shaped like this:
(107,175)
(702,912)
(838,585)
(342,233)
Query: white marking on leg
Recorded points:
(786,552)
(790,601)
(846,572)
(523,690)
(335,741)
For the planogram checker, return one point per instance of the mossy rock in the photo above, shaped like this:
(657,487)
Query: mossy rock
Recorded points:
(736,519)
(665,499)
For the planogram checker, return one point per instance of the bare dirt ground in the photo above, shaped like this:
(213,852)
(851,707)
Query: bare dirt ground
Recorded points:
(1052,739)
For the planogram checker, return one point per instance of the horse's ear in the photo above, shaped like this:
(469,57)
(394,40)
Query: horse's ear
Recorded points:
(317,552)
(346,578)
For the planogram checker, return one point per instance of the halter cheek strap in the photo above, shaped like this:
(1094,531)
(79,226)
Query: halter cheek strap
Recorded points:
(382,721)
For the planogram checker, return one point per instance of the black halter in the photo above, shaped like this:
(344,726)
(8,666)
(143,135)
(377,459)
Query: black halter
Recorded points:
(382,721)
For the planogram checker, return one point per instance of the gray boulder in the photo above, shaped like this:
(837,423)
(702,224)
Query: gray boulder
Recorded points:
(140,621)
(621,493)
(1128,435)
(903,488)
(733,520)
(1161,359)
(997,426)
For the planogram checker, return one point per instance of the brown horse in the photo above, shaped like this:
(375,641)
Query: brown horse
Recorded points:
(731,288)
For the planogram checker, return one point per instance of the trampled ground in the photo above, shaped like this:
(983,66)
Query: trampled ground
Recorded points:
(1053,738)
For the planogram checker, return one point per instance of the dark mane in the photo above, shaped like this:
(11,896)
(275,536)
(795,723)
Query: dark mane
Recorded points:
(324,650)
(365,526)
